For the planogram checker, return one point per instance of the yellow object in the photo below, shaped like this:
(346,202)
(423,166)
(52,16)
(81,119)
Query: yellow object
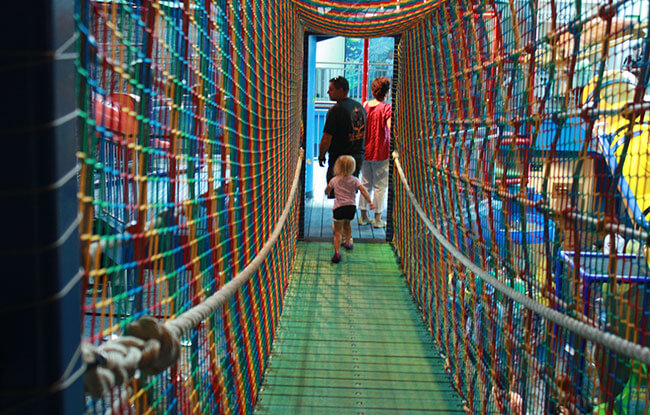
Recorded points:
(636,168)
(633,247)
(612,129)
(617,89)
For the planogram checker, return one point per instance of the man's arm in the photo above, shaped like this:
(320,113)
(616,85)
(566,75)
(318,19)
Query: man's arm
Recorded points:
(325,142)
(328,189)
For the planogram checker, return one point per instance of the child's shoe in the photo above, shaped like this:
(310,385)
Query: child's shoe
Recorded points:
(379,223)
(349,245)
(336,258)
(363,221)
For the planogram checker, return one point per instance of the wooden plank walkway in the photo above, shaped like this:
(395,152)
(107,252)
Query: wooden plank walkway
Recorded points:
(351,341)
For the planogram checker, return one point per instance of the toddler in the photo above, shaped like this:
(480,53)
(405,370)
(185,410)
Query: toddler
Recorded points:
(345,186)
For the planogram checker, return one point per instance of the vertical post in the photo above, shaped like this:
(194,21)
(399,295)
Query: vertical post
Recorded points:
(364,76)
(393,135)
(308,121)
(39,244)
(310,127)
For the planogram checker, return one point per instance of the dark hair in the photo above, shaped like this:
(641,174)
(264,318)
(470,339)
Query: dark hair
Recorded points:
(341,83)
(380,87)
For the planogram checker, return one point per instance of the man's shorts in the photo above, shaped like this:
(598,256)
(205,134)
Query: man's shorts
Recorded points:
(345,212)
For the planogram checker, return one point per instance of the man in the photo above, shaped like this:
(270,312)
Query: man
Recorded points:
(345,128)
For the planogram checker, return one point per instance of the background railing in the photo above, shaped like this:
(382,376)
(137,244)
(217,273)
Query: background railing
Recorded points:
(320,115)
(353,72)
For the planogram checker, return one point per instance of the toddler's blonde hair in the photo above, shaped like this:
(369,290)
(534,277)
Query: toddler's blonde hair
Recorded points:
(344,166)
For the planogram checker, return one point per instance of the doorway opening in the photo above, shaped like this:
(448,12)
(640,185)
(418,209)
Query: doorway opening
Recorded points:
(328,57)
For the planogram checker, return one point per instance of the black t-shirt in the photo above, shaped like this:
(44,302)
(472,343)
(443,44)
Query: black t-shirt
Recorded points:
(346,123)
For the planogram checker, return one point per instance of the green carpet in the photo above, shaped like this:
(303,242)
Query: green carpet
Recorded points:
(351,341)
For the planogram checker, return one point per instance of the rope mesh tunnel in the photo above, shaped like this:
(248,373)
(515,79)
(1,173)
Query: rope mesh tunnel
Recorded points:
(522,133)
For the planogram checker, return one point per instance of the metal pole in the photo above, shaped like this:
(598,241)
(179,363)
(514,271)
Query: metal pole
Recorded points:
(364,76)
(393,136)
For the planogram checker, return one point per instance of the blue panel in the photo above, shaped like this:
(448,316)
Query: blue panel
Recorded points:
(311,125)
(572,135)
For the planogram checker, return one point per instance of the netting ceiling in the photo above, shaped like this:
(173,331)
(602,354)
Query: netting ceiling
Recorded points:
(362,18)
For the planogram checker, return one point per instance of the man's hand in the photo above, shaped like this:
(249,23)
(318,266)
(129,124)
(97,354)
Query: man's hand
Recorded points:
(371,206)
(323,148)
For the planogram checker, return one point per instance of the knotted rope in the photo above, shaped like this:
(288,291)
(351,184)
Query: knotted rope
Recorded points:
(151,346)
(147,345)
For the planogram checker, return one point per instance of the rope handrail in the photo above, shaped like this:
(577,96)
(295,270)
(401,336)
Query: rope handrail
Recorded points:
(151,346)
(608,340)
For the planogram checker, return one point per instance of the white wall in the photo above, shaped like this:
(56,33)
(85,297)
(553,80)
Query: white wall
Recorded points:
(331,50)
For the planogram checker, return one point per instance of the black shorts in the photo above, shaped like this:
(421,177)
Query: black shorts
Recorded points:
(345,212)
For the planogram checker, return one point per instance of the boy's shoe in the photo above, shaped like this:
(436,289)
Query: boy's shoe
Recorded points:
(363,221)
(379,223)
(336,258)
(349,245)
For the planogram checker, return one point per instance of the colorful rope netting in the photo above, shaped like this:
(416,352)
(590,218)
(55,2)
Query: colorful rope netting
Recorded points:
(189,137)
(522,129)
(521,126)
(362,18)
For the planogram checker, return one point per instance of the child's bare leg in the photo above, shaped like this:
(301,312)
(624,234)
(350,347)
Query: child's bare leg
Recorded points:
(338,230)
(347,229)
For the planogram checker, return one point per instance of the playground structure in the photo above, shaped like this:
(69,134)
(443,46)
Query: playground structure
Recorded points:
(521,150)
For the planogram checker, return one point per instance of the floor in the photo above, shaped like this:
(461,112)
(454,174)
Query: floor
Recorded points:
(351,341)
(318,215)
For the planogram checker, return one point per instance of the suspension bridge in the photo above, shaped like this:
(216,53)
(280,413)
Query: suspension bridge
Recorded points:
(154,212)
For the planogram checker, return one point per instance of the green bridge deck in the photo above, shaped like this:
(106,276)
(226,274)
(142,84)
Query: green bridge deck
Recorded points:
(351,341)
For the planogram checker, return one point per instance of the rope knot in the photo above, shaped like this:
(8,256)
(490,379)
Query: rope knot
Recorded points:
(162,347)
(147,345)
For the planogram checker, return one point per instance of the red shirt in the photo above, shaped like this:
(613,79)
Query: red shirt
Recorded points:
(377,131)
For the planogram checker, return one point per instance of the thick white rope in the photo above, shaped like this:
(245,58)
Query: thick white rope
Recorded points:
(593,334)
(152,346)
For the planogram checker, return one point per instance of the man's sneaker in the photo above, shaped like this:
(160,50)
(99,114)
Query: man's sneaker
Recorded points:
(363,221)
(336,258)
(379,223)
(349,245)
